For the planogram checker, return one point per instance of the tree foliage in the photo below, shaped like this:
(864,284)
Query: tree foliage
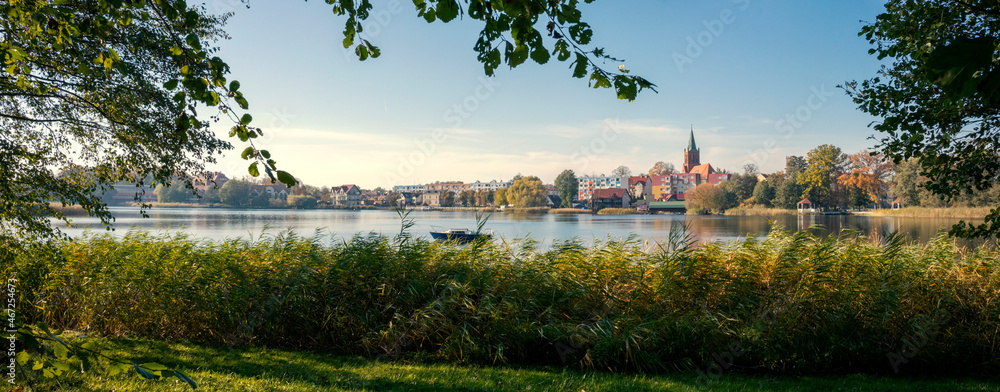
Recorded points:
(527,192)
(939,100)
(235,193)
(172,193)
(500,197)
(763,192)
(870,174)
(825,164)
(706,197)
(567,186)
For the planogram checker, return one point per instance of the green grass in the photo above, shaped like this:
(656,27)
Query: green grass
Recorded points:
(262,369)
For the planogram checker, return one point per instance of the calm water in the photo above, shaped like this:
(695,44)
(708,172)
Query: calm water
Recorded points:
(227,223)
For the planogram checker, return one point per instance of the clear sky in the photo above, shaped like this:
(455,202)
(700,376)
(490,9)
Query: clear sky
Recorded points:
(756,79)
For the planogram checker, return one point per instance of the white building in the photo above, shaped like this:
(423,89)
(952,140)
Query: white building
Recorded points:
(489,186)
(587,185)
(409,188)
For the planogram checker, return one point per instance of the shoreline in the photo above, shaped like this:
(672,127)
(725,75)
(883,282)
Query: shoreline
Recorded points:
(906,212)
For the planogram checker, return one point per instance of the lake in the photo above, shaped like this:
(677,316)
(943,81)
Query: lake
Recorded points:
(222,223)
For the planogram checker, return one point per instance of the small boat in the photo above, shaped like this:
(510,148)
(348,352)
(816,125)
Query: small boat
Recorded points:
(461,236)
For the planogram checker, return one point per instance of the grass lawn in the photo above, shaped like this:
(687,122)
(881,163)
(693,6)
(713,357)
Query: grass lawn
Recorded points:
(255,369)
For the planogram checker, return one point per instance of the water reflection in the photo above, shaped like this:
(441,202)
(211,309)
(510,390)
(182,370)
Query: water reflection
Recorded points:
(228,223)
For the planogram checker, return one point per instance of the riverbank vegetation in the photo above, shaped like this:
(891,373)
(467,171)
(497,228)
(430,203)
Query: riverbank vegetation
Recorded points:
(935,212)
(759,211)
(783,304)
(571,211)
(617,211)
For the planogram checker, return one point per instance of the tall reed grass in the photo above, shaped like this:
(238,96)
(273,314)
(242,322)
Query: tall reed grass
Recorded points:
(617,211)
(792,303)
(929,212)
(759,211)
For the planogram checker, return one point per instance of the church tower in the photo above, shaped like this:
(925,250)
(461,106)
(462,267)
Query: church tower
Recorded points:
(691,158)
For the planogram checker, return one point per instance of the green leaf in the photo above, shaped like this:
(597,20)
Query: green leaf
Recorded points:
(170,84)
(115,368)
(266,154)
(153,366)
(541,56)
(286,178)
(580,66)
(241,101)
(60,351)
(234,86)
(247,153)
(22,358)
(245,120)
(253,170)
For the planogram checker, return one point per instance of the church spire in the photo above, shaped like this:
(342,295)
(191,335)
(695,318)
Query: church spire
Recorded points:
(691,145)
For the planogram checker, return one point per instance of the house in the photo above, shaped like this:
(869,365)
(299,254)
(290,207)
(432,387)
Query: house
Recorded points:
(553,201)
(432,199)
(719,178)
(642,186)
(611,198)
(272,192)
(346,195)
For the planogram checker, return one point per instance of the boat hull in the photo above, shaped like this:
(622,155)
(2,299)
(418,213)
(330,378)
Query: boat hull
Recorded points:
(461,238)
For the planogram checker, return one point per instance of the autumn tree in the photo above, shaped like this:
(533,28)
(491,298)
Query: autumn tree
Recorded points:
(938,97)
(527,192)
(870,174)
(706,197)
(661,169)
(567,186)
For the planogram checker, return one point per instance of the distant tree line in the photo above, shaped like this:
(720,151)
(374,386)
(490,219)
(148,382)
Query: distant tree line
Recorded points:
(834,180)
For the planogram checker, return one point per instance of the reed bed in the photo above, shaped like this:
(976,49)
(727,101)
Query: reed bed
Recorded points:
(617,211)
(570,211)
(785,303)
(527,210)
(759,211)
(928,212)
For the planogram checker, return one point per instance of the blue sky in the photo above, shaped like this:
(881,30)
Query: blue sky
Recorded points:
(756,79)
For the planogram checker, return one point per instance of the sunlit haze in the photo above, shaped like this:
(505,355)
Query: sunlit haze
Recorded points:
(757,80)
